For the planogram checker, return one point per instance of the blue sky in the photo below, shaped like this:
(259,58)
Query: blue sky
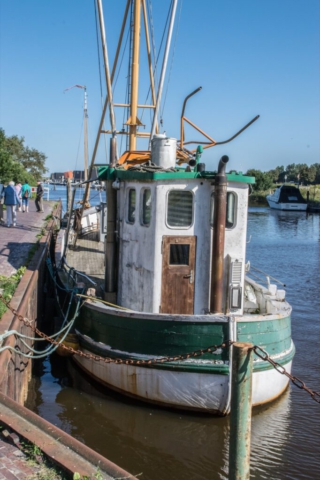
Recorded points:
(250,57)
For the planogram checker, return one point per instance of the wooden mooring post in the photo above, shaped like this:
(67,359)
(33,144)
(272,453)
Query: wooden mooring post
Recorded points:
(241,406)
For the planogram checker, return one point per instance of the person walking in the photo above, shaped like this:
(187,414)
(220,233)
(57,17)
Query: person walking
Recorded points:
(26,194)
(11,200)
(39,195)
(18,188)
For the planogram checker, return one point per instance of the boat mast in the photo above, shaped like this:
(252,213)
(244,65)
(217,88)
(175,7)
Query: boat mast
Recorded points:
(85,121)
(113,158)
(85,124)
(133,120)
(164,67)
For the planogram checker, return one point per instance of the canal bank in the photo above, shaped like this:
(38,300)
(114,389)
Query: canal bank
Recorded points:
(31,306)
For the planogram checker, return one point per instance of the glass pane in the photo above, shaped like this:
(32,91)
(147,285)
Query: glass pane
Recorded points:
(179,208)
(179,254)
(132,205)
(231,210)
(146,207)
(230,215)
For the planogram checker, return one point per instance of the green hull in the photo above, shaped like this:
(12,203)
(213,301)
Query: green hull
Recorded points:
(126,335)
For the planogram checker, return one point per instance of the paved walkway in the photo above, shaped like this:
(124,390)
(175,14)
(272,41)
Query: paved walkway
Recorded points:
(16,242)
(14,464)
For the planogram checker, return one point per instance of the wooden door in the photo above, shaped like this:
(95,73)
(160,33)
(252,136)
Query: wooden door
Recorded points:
(178,273)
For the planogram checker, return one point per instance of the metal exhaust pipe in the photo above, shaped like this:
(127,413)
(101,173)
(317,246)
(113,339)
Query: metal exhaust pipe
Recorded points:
(219,223)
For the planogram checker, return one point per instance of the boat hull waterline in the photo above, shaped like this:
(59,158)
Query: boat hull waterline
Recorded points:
(198,383)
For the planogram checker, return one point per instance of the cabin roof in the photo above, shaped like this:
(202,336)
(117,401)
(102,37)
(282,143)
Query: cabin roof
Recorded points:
(107,173)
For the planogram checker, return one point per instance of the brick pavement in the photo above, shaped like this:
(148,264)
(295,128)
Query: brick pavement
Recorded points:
(16,242)
(13,463)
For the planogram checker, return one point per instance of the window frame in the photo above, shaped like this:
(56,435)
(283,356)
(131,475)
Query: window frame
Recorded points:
(142,192)
(235,209)
(179,227)
(128,205)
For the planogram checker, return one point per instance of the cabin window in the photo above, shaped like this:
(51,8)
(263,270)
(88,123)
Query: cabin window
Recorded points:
(179,254)
(179,208)
(131,205)
(146,207)
(230,212)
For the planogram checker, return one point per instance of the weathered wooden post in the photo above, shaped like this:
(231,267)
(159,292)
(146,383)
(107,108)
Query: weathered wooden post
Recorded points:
(69,196)
(240,421)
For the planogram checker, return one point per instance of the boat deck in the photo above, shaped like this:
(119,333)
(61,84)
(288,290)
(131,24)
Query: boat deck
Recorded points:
(88,258)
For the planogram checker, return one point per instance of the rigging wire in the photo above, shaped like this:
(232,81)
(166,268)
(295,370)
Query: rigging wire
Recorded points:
(172,59)
(100,74)
(155,73)
(156,60)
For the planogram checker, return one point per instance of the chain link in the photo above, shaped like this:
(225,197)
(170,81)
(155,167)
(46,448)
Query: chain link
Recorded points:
(117,361)
(280,368)
(260,352)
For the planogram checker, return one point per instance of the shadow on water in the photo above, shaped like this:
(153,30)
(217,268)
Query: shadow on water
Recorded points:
(164,444)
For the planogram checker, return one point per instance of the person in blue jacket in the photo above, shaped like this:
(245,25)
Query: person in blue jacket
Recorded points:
(26,194)
(11,200)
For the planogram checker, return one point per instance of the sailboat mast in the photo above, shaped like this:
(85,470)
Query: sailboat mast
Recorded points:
(107,73)
(164,68)
(85,134)
(135,76)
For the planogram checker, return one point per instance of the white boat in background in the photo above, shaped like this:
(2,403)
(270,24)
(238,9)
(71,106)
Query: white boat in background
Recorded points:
(287,197)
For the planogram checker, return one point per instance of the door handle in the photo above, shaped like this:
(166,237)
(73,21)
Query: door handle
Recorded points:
(189,276)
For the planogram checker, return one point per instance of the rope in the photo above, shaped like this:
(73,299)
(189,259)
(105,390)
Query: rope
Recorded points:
(53,343)
(102,301)
(151,167)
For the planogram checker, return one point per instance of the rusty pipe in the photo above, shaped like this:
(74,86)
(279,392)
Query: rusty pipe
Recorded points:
(217,262)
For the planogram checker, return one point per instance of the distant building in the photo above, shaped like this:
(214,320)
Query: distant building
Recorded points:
(68,175)
(57,177)
(78,176)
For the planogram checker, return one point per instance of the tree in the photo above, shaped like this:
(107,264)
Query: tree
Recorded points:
(19,163)
(277,174)
(30,159)
(263,182)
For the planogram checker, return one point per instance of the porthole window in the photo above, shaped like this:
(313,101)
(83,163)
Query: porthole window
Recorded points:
(180,208)
(230,212)
(146,207)
(131,205)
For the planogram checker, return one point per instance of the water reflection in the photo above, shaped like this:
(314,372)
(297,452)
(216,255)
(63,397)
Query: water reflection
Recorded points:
(160,443)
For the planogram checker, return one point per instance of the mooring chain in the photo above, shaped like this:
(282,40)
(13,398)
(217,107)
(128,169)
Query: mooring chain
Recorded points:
(98,358)
(260,352)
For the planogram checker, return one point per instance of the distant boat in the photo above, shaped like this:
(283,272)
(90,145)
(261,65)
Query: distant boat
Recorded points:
(287,197)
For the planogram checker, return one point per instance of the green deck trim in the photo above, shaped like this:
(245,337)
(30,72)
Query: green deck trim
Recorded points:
(107,173)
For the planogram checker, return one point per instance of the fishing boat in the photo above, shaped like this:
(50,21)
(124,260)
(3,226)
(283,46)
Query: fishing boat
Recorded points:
(160,269)
(287,197)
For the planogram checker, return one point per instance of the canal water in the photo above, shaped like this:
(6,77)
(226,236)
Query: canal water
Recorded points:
(59,192)
(161,444)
